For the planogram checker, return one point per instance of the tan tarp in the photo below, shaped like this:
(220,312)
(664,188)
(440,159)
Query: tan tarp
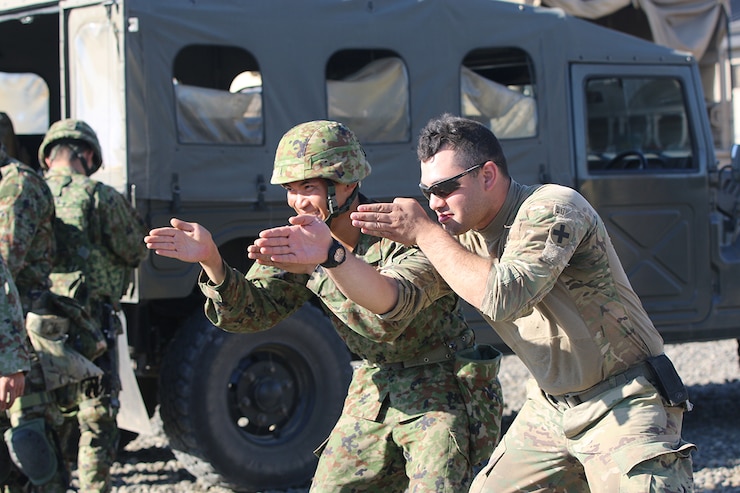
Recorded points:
(688,25)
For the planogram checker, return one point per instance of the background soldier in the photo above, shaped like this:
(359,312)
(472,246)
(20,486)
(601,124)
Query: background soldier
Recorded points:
(27,245)
(404,426)
(98,235)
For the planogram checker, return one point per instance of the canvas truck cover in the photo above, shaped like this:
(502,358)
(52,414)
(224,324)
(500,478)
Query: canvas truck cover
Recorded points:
(291,42)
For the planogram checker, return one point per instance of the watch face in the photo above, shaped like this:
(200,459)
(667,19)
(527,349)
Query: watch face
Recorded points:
(339,255)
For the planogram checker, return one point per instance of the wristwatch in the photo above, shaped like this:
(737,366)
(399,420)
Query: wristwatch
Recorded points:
(337,255)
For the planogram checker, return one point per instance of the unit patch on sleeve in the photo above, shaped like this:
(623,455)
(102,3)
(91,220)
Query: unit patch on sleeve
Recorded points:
(561,234)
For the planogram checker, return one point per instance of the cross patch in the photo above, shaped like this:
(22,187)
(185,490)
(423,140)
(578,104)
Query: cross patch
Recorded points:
(561,234)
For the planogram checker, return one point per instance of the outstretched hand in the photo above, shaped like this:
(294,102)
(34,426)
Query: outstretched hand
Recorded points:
(399,221)
(189,242)
(306,242)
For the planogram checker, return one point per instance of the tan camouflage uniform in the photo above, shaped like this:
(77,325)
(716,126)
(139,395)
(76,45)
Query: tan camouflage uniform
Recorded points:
(558,296)
(402,428)
(27,245)
(112,247)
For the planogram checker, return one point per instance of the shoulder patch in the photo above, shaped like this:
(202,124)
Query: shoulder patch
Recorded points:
(561,233)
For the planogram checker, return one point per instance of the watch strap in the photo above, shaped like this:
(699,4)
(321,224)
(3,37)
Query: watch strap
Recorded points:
(333,259)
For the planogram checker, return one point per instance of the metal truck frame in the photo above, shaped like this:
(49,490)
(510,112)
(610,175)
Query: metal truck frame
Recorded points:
(190,98)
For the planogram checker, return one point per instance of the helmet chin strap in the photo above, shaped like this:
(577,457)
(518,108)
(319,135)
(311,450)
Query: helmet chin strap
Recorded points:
(331,201)
(77,154)
(84,164)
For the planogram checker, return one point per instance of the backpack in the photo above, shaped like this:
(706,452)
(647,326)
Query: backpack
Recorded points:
(75,230)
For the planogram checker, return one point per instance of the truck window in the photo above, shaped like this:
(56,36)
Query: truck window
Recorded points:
(368,90)
(218,92)
(25,98)
(637,124)
(497,89)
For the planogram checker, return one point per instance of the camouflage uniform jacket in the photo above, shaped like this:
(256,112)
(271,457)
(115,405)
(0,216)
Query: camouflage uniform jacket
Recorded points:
(26,218)
(557,293)
(14,355)
(427,315)
(111,225)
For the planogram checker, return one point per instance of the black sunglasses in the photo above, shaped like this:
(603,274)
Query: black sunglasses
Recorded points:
(444,188)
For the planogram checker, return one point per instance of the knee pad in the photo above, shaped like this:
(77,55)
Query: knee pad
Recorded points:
(31,451)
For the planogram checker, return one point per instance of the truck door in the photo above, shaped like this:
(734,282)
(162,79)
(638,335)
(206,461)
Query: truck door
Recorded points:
(94,84)
(642,160)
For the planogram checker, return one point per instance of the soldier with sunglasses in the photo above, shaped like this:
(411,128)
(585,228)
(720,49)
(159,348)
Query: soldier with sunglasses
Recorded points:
(605,406)
(424,406)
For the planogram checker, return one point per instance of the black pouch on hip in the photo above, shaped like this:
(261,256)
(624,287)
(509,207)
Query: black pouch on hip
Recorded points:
(668,381)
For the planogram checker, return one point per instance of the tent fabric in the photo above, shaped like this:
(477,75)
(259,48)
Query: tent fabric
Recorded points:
(687,25)
(374,101)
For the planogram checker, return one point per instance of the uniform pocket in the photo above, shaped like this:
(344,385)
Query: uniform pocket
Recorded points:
(476,370)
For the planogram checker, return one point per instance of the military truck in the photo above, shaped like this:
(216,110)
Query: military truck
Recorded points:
(189,99)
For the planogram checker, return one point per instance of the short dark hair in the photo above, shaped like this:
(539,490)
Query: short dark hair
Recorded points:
(473,141)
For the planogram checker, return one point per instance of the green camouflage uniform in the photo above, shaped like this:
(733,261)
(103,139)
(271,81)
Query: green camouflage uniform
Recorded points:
(27,245)
(15,349)
(14,352)
(401,429)
(558,296)
(94,269)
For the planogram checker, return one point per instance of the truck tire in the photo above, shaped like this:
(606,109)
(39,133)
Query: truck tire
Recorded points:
(246,411)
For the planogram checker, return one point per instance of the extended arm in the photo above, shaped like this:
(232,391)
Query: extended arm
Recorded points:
(307,242)
(405,221)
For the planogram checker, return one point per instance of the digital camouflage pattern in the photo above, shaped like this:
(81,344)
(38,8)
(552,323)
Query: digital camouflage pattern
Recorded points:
(429,399)
(26,235)
(559,298)
(27,245)
(99,234)
(14,354)
(319,149)
(70,129)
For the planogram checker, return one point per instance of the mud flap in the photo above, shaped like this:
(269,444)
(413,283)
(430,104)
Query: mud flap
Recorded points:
(31,451)
(132,415)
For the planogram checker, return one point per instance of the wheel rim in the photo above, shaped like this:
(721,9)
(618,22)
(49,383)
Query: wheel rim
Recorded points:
(270,394)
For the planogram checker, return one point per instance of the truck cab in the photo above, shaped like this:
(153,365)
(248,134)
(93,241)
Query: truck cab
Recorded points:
(189,100)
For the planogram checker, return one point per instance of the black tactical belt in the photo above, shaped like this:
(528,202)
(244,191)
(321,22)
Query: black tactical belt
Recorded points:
(573,399)
(440,354)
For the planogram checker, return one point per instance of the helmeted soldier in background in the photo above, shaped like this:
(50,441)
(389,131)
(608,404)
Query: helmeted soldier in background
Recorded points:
(419,414)
(15,356)
(98,235)
(27,246)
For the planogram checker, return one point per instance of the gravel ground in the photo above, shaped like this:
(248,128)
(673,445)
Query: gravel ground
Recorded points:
(710,369)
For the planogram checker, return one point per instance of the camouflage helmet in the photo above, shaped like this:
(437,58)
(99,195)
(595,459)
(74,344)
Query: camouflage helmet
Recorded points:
(320,149)
(70,129)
